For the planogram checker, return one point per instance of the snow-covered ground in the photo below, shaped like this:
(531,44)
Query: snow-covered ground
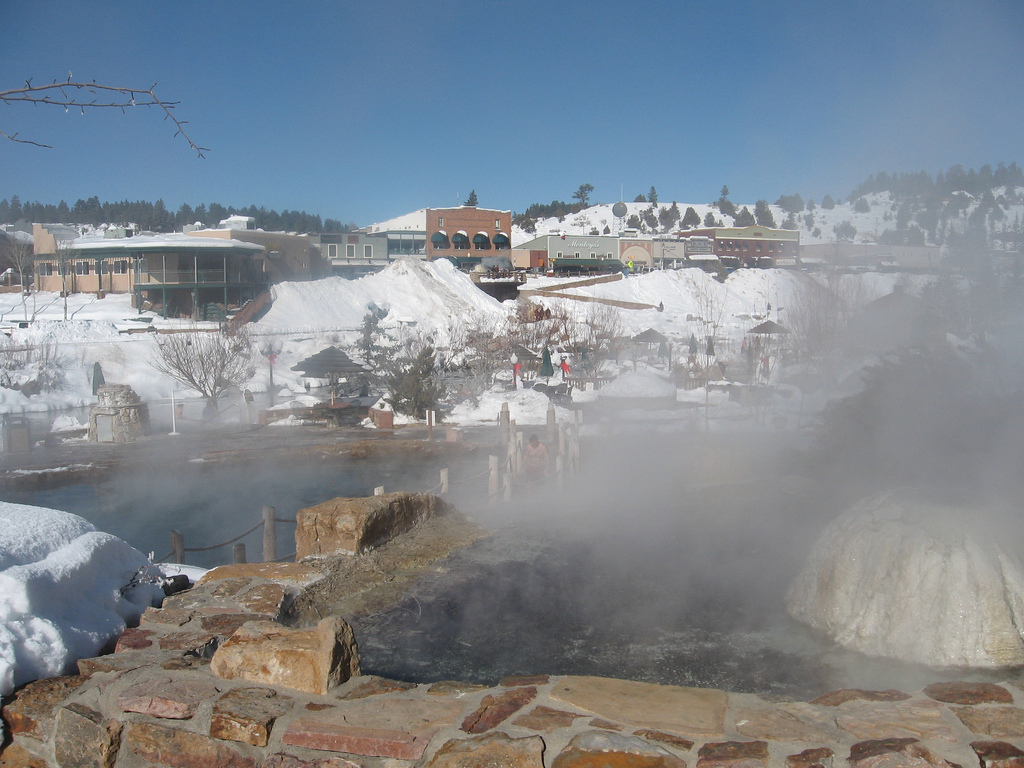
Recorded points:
(425,300)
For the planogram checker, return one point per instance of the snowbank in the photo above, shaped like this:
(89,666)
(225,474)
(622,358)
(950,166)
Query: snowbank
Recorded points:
(906,577)
(68,590)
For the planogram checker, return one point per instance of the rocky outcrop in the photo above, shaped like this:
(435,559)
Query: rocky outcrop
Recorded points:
(159,702)
(357,525)
(907,577)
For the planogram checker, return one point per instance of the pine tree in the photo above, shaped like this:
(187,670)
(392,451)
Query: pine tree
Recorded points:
(691,219)
(763,214)
(745,218)
(471,200)
(709,219)
(828,203)
(652,196)
(583,194)
(413,387)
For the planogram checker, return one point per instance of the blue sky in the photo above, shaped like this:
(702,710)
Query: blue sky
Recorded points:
(361,111)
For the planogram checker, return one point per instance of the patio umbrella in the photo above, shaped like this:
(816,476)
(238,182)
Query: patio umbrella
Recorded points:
(546,369)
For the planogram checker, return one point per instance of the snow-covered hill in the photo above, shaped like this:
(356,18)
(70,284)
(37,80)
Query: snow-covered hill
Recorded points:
(815,223)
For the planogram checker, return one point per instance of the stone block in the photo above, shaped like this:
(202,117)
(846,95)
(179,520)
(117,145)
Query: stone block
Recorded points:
(164,698)
(664,738)
(843,695)
(998,754)
(134,639)
(247,715)
(672,708)
(919,719)
(598,749)
(353,526)
(779,725)
(817,757)
(311,660)
(894,753)
(375,727)
(83,738)
(372,685)
(997,722)
(497,709)
(284,760)
(16,756)
(120,662)
(31,711)
(296,574)
(546,719)
(182,749)
(733,754)
(494,749)
(267,599)
(968,693)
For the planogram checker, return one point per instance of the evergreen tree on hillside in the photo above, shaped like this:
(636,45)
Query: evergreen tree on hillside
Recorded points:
(790,203)
(828,203)
(763,214)
(583,194)
(745,218)
(725,205)
(640,199)
(709,219)
(862,205)
(691,219)
(652,196)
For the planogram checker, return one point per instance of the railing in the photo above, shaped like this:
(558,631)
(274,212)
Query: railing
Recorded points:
(191,276)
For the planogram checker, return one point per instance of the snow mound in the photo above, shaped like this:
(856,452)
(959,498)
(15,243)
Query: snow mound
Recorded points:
(639,384)
(905,577)
(68,590)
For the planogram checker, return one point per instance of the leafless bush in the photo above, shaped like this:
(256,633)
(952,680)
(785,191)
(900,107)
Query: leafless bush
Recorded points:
(818,314)
(209,363)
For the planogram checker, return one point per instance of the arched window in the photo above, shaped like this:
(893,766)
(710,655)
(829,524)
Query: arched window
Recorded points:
(501,242)
(481,241)
(460,241)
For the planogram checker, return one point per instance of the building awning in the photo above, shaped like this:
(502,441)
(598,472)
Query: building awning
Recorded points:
(500,235)
(439,237)
(462,232)
(441,232)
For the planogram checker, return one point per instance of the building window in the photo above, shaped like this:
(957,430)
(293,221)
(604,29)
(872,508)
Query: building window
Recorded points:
(332,250)
(558,255)
(497,223)
(481,242)
(104,268)
(460,241)
(367,251)
(350,251)
(81,267)
(121,267)
(440,221)
(45,268)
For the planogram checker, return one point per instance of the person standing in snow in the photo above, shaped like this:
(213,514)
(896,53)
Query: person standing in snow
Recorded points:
(535,460)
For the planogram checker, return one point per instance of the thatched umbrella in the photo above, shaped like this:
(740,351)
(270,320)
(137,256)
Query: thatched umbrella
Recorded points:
(768,328)
(332,364)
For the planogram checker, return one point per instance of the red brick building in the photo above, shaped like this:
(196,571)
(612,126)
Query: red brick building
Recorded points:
(467,233)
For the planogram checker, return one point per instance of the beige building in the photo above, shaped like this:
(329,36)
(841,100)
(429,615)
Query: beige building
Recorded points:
(176,275)
(285,256)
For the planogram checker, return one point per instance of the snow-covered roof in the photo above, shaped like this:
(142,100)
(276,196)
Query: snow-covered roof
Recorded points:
(413,222)
(151,241)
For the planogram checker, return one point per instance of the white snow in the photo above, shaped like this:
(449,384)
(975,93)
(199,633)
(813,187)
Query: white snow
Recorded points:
(68,591)
(907,577)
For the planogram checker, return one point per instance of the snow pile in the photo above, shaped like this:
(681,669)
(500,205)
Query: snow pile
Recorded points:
(525,406)
(904,577)
(65,592)
(639,384)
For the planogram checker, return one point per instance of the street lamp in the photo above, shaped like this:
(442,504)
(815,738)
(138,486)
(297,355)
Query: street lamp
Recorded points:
(270,349)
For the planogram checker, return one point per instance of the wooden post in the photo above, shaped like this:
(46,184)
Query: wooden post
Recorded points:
(552,427)
(494,478)
(378,491)
(508,486)
(238,552)
(560,471)
(503,424)
(430,425)
(444,480)
(177,546)
(269,535)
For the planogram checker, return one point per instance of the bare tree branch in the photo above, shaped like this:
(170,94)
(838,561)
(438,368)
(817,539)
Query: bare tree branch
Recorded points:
(82,96)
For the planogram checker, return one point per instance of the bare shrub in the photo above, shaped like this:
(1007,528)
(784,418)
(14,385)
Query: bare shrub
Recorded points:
(209,363)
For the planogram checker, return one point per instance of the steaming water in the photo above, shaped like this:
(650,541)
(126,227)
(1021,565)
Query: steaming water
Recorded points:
(212,503)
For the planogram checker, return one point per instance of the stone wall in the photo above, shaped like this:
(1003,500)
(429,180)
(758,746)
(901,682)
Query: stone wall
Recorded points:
(175,694)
